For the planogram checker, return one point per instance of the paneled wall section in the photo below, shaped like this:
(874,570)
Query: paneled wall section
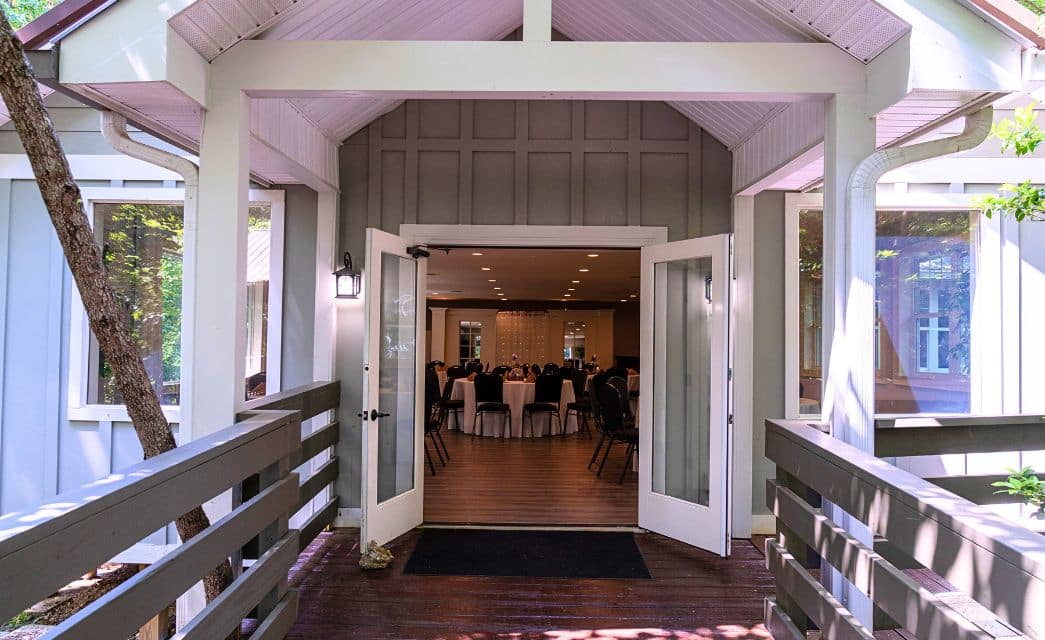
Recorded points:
(535,162)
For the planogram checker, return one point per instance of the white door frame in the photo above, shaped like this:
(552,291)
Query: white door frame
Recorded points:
(615,237)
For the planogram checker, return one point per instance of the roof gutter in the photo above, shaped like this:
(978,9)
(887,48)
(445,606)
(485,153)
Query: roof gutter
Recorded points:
(860,200)
(114,130)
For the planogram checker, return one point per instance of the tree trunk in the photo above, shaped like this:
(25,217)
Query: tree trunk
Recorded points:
(107,316)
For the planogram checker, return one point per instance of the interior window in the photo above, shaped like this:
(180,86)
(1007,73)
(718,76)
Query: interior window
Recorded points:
(471,334)
(259,250)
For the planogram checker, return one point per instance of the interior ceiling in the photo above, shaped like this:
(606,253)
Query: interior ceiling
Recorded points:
(861,27)
(534,274)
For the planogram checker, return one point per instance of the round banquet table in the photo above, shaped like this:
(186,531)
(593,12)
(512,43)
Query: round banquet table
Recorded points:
(516,395)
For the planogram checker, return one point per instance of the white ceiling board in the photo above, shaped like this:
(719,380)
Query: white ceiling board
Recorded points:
(534,274)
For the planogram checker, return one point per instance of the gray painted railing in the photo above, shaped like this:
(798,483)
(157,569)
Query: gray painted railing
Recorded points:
(915,523)
(46,548)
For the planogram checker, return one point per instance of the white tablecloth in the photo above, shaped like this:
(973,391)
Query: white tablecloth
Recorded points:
(516,395)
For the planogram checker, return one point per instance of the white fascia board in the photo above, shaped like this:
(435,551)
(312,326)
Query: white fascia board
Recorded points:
(970,170)
(566,70)
(953,49)
(131,42)
(15,166)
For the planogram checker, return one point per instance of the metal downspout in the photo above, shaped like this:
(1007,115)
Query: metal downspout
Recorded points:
(114,130)
(862,184)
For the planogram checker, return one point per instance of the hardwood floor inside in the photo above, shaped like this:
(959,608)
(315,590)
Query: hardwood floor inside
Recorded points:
(541,481)
(693,595)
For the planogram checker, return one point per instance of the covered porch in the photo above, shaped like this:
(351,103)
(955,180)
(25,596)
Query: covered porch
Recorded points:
(771,96)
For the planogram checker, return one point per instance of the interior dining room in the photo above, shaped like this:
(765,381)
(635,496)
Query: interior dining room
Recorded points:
(518,339)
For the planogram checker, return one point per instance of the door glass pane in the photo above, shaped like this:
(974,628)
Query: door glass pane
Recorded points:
(682,379)
(397,377)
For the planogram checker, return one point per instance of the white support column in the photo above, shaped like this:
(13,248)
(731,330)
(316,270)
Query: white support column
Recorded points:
(438,339)
(848,301)
(215,271)
(328,260)
(743,364)
(214,306)
(537,20)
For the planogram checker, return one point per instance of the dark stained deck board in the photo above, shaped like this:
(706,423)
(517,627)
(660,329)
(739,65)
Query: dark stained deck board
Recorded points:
(541,481)
(693,594)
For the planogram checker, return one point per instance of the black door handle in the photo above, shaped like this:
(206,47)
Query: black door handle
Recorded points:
(375,414)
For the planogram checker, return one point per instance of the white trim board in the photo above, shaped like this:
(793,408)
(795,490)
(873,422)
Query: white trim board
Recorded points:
(15,166)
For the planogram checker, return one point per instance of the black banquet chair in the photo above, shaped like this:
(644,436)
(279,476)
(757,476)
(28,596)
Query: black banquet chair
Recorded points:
(546,396)
(453,408)
(489,398)
(581,406)
(435,414)
(616,423)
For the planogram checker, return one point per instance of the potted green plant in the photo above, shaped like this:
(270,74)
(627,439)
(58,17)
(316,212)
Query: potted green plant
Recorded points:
(1025,484)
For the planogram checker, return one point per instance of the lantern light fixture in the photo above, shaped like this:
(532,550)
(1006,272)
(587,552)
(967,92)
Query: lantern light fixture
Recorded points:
(348,281)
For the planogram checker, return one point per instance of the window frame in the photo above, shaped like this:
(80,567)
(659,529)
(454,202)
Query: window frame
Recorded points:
(986,319)
(79,328)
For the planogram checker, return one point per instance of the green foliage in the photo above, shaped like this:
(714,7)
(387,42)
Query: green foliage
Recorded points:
(1025,484)
(22,12)
(1037,6)
(1022,135)
(19,620)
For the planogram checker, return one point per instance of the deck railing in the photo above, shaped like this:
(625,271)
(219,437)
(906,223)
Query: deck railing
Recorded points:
(914,523)
(46,548)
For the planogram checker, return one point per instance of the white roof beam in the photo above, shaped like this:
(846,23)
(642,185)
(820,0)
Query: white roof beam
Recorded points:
(520,70)
(537,20)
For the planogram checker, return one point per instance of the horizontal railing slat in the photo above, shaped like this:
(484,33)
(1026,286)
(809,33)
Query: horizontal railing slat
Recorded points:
(315,443)
(319,520)
(969,434)
(890,589)
(995,561)
(976,489)
(310,399)
(277,624)
(226,612)
(95,525)
(834,620)
(779,625)
(123,610)
(325,475)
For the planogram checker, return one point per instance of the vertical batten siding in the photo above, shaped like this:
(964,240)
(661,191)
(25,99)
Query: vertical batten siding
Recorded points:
(518,162)
(794,129)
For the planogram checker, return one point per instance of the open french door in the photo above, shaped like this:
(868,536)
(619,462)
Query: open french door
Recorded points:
(392,474)
(684,449)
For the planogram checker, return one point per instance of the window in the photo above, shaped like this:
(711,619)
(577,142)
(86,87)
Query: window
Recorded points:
(925,276)
(573,341)
(470,334)
(141,233)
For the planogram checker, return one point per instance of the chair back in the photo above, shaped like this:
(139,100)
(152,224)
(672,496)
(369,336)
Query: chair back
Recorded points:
(433,404)
(535,369)
(621,385)
(596,409)
(610,406)
(551,367)
(455,372)
(548,388)
(578,377)
(501,370)
(489,388)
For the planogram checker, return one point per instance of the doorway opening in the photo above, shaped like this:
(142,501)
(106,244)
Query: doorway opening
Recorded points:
(528,450)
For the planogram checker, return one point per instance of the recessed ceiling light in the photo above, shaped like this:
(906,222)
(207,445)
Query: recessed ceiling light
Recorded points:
(575,281)
(633,296)
(491,280)
(496,288)
(623,300)
(566,295)
(583,270)
(593,255)
(486,268)
(571,289)
(500,294)
(476,253)
(435,293)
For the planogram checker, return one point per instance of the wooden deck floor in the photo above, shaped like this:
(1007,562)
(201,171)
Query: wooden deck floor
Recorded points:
(528,481)
(693,595)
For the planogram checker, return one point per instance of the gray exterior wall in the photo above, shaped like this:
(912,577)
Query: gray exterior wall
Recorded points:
(42,452)
(518,162)
(768,347)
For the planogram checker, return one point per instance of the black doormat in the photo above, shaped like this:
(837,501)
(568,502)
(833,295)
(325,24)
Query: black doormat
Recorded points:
(537,554)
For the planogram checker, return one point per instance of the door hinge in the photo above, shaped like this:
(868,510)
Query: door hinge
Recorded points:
(729,419)
(729,374)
